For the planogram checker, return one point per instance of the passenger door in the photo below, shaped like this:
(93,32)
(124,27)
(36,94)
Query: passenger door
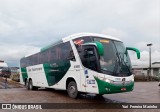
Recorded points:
(89,61)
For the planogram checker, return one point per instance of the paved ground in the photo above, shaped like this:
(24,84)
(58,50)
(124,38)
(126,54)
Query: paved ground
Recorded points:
(9,84)
(144,92)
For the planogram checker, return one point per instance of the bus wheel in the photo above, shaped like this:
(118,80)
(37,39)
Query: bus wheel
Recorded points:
(26,84)
(99,95)
(72,89)
(31,87)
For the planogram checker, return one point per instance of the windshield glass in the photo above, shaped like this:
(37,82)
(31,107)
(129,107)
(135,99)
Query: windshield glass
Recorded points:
(124,67)
(108,60)
(115,60)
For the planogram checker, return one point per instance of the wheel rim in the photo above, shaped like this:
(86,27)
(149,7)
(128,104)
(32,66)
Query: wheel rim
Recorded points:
(72,90)
(30,85)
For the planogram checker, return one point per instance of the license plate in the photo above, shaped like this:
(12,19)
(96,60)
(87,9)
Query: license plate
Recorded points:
(123,89)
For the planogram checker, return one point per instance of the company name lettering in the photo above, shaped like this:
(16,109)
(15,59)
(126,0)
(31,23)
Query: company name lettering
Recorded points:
(34,69)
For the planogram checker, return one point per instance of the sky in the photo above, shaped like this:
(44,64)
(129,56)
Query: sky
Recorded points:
(28,25)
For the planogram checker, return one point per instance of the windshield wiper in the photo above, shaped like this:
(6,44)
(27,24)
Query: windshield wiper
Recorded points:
(122,60)
(116,65)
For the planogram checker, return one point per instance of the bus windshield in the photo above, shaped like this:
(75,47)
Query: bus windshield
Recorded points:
(115,60)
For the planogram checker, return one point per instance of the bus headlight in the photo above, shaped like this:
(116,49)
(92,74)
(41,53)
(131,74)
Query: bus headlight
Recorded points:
(107,80)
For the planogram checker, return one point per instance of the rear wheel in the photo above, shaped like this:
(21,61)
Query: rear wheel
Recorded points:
(30,86)
(72,89)
(26,84)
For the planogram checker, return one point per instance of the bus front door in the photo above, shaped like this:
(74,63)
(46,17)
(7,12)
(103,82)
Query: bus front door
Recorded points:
(90,64)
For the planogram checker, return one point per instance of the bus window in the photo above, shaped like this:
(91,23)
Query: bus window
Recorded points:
(43,57)
(52,55)
(35,59)
(66,48)
(79,41)
(89,58)
(67,52)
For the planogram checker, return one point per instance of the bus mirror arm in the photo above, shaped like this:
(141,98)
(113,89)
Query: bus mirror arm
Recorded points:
(134,49)
(99,45)
(72,58)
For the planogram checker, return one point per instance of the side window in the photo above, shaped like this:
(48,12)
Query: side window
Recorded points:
(23,62)
(60,52)
(88,53)
(43,57)
(52,54)
(29,61)
(35,59)
(79,41)
(89,59)
(67,51)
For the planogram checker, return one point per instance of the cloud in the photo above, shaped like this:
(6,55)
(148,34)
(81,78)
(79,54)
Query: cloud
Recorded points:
(31,24)
(144,60)
(142,45)
(13,53)
(115,32)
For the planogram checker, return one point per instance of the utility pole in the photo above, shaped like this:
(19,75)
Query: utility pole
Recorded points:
(149,74)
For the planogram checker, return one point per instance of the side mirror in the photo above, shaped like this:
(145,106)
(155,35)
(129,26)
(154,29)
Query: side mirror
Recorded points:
(100,48)
(134,49)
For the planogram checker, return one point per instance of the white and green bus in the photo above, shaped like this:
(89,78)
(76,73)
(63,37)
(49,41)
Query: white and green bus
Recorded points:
(81,63)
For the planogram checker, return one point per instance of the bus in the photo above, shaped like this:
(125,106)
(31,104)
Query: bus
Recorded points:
(80,63)
(4,69)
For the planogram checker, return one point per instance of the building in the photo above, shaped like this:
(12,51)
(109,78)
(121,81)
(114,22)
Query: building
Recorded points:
(143,71)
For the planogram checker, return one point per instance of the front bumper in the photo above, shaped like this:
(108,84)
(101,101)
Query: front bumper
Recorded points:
(113,87)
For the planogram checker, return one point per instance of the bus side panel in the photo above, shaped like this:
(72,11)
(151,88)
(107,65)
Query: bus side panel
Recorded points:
(23,74)
(21,77)
(71,73)
(56,71)
(38,76)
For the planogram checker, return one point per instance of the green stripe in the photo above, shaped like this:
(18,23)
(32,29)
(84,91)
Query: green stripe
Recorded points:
(102,85)
(24,73)
(54,73)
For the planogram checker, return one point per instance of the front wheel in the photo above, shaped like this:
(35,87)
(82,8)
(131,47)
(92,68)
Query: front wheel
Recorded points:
(72,89)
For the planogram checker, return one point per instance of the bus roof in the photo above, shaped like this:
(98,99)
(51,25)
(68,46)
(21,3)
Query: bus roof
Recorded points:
(74,36)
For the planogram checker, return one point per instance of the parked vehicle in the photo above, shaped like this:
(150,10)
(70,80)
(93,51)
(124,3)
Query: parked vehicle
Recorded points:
(5,72)
(15,74)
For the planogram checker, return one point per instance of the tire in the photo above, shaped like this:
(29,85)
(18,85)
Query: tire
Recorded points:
(31,87)
(99,96)
(72,89)
(26,84)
